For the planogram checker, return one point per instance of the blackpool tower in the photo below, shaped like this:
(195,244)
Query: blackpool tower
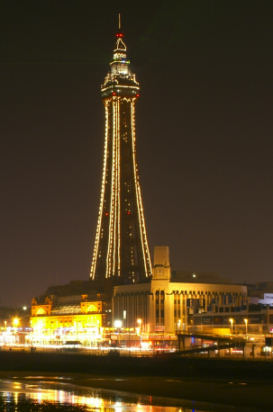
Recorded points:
(121,250)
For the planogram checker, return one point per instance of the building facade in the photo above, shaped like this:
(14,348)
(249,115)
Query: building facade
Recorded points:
(121,248)
(166,306)
(70,318)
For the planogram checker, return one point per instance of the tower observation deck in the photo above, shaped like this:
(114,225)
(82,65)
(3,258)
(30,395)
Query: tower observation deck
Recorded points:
(121,248)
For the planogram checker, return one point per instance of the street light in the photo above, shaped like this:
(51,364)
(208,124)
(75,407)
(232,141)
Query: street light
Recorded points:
(139,323)
(246,323)
(231,321)
(117,323)
(179,324)
(15,322)
(124,314)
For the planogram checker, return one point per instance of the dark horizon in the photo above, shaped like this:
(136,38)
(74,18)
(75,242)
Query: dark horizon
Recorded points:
(204,136)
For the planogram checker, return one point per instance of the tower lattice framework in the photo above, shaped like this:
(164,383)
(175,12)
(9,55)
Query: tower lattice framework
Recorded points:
(121,248)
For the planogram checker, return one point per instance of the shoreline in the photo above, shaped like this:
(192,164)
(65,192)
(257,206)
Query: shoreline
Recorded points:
(238,383)
(224,395)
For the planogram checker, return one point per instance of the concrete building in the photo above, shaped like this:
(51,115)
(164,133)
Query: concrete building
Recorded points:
(161,305)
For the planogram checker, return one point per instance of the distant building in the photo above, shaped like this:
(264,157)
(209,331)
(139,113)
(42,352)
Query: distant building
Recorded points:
(266,299)
(261,293)
(166,306)
(61,319)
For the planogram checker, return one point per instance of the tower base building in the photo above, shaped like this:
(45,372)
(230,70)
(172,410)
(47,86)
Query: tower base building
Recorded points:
(163,306)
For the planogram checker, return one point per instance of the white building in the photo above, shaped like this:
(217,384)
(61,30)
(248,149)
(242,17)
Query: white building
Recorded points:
(161,305)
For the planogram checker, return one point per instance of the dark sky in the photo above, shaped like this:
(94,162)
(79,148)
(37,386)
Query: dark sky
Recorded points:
(204,135)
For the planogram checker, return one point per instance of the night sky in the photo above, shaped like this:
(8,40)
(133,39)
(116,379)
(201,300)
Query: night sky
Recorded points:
(204,135)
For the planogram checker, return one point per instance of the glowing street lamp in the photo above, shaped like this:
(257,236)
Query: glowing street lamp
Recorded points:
(246,323)
(231,321)
(117,323)
(139,323)
(15,322)
(138,329)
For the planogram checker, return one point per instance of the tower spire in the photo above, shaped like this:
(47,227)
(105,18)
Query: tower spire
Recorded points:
(120,45)
(121,248)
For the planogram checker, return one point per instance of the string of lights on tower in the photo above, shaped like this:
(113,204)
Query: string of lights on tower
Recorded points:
(121,248)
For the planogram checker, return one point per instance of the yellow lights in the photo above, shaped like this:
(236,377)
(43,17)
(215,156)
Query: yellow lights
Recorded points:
(113,263)
(98,231)
(246,325)
(146,345)
(118,187)
(139,326)
(15,322)
(143,235)
(82,323)
(231,321)
(87,307)
(56,396)
(58,330)
(119,98)
(109,258)
(113,135)
(117,323)
(38,325)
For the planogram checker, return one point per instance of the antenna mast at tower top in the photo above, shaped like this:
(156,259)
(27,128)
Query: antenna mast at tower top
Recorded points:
(119,21)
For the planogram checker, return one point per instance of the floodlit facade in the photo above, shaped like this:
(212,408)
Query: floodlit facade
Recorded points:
(121,249)
(73,318)
(166,306)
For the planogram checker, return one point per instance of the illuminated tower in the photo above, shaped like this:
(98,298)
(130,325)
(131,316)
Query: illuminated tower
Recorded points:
(121,249)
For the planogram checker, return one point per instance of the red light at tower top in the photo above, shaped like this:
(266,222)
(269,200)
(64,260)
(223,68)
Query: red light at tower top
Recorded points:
(119,33)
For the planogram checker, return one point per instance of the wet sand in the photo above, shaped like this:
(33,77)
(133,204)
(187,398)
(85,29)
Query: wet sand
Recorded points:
(229,394)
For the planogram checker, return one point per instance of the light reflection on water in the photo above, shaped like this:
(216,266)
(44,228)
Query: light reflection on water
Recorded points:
(92,399)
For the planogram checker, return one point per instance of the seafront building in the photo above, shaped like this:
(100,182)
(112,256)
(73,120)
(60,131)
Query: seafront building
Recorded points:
(166,306)
(157,309)
(55,320)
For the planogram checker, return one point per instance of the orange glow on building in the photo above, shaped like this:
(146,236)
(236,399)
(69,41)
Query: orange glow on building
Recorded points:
(59,320)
